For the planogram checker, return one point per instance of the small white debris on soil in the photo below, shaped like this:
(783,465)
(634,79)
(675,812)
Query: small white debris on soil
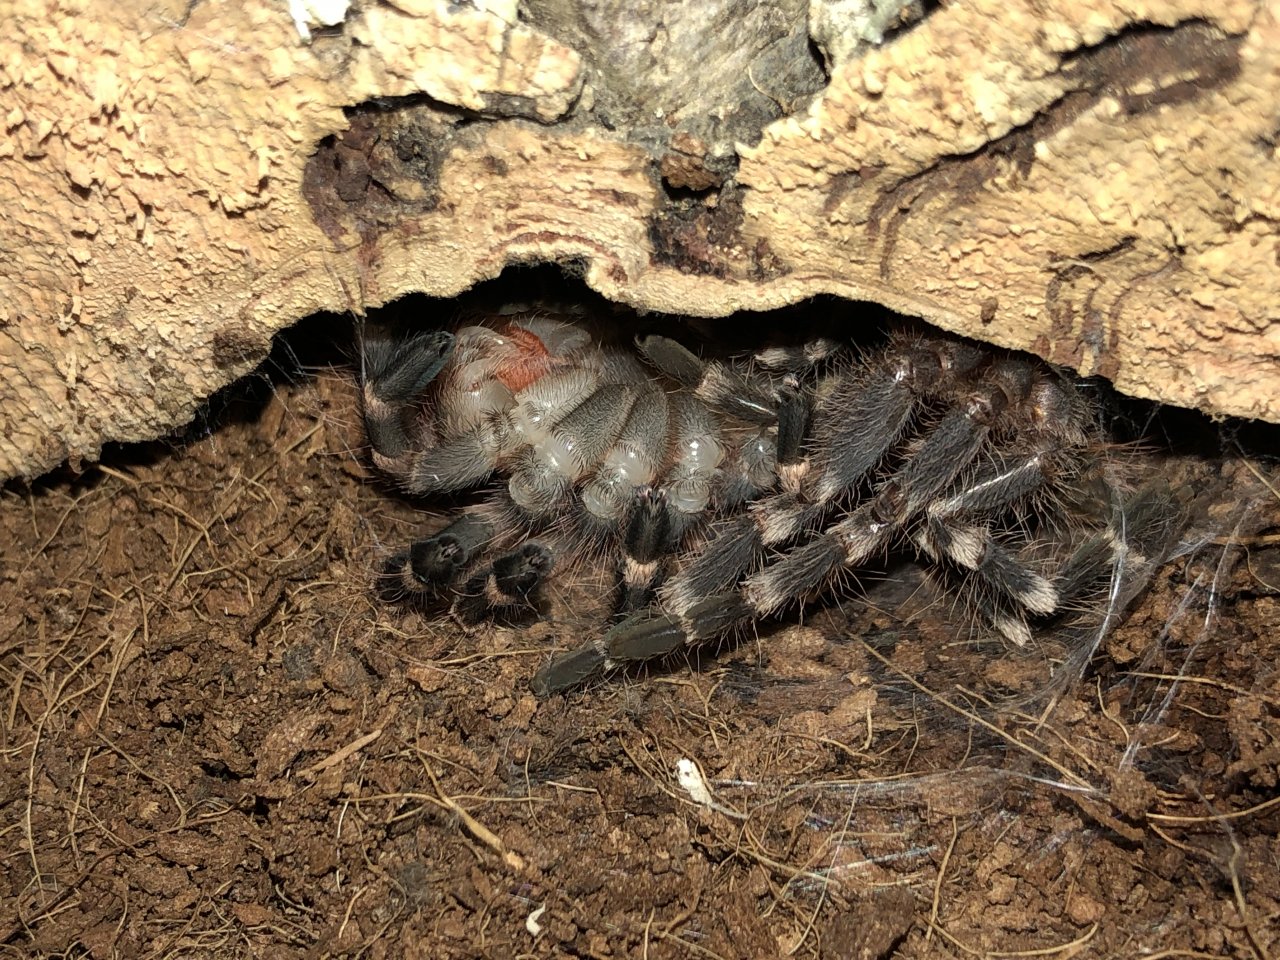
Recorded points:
(690,777)
(531,921)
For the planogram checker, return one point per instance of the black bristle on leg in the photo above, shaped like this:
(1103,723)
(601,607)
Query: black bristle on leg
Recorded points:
(1089,564)
(635,596)
(804,571)
(653,634)
(1150,518)
(1007,620)
(1145,521)
(646,541)
(726,390)
(394,583)
(474,602)
(718,384)
(456,464)
(855,427)
(439,560)
(952,445)
(733,551)
(1007,574)
(718,616)
(994,490)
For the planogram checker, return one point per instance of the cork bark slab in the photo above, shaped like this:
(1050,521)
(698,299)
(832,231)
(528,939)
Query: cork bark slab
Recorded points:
(1097,182)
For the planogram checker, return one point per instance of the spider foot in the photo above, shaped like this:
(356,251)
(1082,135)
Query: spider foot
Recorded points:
(397,371)
(507,588)
(568,670)
(395,582)
(648,635)
(423,572)
(395,374)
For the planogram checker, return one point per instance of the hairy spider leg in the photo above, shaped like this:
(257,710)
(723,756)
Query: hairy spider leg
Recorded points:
(621,505)
(809,568)
(1003,586)
(1142,522)
(395,373)
(453,465)
(794,411)
(715,383)
(568,670)
(506,587)
(544,476)
(646,542)
(1138,527)
(659,480)
(424,571)
(863,442)
(858,422)
(953,443)
(953,529)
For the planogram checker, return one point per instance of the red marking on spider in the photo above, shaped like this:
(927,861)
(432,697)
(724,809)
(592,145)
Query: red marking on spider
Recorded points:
(529,362)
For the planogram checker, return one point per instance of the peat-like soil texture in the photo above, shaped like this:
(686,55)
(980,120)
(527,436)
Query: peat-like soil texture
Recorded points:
(217,742)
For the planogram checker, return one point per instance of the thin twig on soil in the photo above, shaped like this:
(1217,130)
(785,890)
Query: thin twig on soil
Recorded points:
(937,886)
(1209,818)
(1208,681)
(1079,941)
(446,802)
(1237,889)
(339,755)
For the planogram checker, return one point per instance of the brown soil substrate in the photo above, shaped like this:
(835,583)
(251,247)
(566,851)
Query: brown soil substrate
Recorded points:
(216,743)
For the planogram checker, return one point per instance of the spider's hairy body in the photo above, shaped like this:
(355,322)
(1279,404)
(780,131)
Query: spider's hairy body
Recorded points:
(727,490)
(599,453)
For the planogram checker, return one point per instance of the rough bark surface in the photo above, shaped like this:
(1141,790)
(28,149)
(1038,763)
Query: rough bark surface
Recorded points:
(1094,181)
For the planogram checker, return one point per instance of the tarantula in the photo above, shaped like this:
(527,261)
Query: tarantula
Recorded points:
(730,489)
